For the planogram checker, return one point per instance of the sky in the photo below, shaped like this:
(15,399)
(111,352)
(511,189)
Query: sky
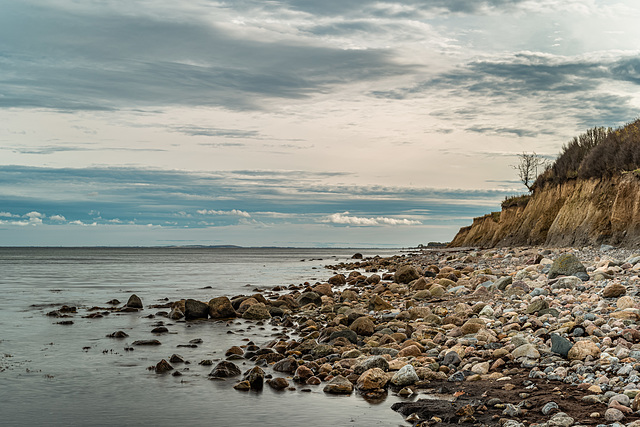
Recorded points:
(297,123)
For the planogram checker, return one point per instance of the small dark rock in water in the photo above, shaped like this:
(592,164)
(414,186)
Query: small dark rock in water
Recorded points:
(243,386)
(177,374)
(134,302)
(225,369)
(113,302)
(357,255)
(176,358)
(118,334)
(196,341)
(160,330)
(288,365)
(163,366)
(278,383)
(560,345)
(146,342)
(68,309)
(65,322)
(206,362)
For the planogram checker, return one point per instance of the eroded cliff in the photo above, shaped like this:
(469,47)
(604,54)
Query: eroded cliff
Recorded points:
(578,212)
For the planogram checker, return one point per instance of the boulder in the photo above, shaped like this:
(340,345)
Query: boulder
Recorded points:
(225,369)
(309,298)
(614,290)
(194,309)
(405,376)
(288,365)
(163,366)
(406,274)
(337,280)
(377,303)
(372,379)
(339,385)
(371,362)
(257,311)
(582,349)
(134,302)
(560,345)
(566,265)
(278,383)
(363,326)
(526,350)
(221,308)
(255,377)
(345,333)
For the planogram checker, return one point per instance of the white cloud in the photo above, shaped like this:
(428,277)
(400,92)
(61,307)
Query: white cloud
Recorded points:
(35,214)
(234,212)
(8,215)
(78,222)
(57,218)
(344,218)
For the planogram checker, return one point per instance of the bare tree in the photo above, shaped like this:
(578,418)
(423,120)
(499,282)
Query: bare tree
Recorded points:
(528,168)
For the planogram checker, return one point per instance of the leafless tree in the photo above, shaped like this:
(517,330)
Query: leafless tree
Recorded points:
(528,168)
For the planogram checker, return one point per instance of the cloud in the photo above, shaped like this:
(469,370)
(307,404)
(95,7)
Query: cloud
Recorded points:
(345,218)
(57,218)
(8,215)
(234,212)
(81,59)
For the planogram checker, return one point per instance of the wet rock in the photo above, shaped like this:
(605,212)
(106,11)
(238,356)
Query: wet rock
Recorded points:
(339,385)
(146,342)
(243,386)
(566,265)
(176,358)
(163,366)
(255,377)
(221,308)
(405,376)
(338,280)
(371,362)
(377,303)
(194,309)
(134,302)
(257,311)
(278,383)
(348,334)
(118,334)
(363,326)
(406,274)
(225,369)
(309,298)
(372,379)
(302,374)
(176,314)
(288,365)
(160,330)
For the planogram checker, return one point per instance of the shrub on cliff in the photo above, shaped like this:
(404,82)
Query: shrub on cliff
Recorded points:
(600,152)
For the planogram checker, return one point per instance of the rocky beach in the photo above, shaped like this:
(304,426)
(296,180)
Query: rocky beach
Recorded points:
(509,336)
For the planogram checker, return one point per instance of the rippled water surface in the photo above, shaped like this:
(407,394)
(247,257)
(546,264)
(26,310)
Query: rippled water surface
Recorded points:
(60,375)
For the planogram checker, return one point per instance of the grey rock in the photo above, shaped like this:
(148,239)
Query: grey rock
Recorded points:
(194,309)
(566,265)
(405,376)
(370,363)
(346,333)
(451,358)
(225,369)
(503,282)
(339,385)
(560,345)
(550,408)
(134,302)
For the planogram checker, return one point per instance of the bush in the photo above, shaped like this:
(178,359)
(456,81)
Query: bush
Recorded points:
(600,152)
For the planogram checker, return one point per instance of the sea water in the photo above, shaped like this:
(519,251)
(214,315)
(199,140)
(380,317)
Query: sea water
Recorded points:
(74,375)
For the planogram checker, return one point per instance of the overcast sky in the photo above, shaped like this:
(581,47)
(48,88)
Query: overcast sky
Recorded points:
(293,122)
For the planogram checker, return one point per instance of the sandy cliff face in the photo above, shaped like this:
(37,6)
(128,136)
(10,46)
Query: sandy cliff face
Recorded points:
(580,212)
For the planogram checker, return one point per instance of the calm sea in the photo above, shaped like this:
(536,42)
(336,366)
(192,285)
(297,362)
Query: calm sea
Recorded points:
(73,375)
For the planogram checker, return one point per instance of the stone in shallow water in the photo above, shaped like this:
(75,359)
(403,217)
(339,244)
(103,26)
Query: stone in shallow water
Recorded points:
(225,369)
(134,302)
(339,385)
